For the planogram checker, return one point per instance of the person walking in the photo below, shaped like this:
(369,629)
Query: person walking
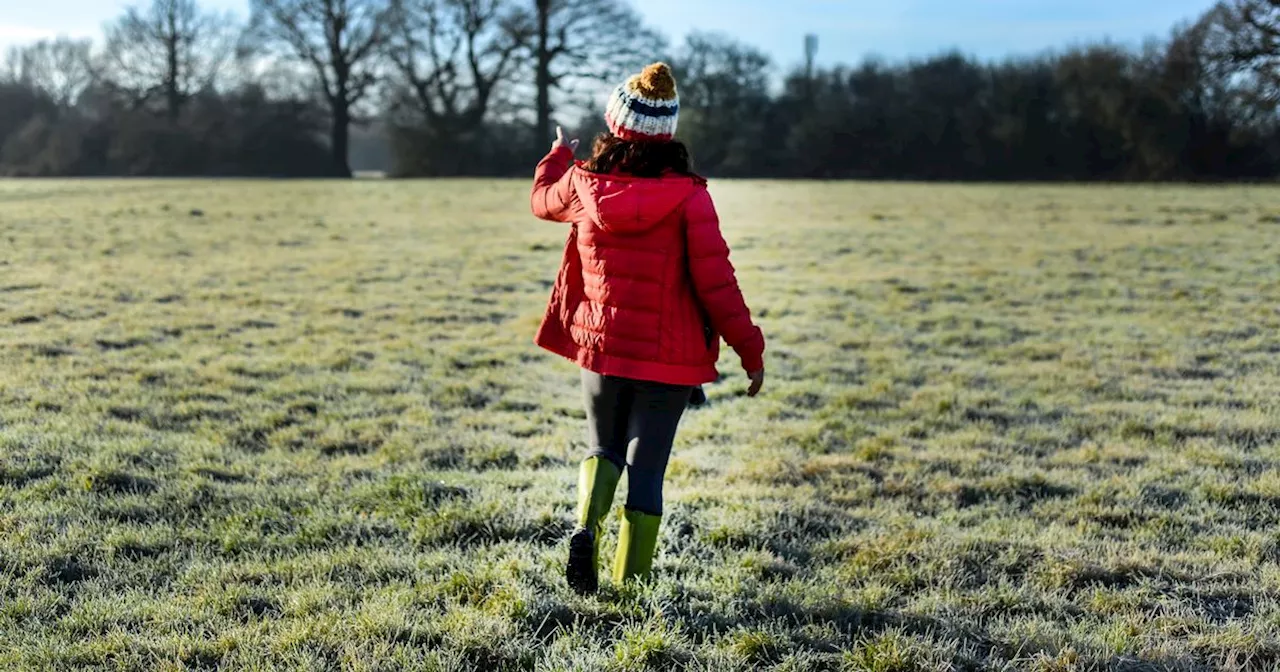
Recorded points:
(644,294)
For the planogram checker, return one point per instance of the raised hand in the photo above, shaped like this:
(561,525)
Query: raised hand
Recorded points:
(562,141)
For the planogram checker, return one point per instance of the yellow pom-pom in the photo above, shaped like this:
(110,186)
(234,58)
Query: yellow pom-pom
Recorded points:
(656,82)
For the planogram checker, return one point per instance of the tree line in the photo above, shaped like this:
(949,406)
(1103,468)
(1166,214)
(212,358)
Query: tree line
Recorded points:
(473,87)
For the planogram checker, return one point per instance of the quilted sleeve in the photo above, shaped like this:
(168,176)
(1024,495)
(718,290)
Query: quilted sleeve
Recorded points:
(716,284)
(552,196)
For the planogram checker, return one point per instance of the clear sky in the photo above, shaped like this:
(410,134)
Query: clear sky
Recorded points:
(848,30)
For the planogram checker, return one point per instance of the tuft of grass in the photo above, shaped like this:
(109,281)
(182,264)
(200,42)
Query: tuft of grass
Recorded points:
(888,652)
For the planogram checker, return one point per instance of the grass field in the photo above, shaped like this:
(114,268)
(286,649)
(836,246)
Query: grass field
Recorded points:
(279,426)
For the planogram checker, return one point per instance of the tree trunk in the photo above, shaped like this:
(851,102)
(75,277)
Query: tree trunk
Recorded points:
(543,129)
(173,97)
(340,139)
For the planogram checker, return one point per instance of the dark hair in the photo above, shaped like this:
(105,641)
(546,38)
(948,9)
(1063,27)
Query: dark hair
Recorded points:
(642,158)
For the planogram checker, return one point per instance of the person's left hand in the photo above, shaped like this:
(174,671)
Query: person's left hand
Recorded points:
(757,382)
(562,141)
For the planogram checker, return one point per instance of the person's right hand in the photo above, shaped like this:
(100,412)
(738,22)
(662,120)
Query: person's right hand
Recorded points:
(757,382)
(562,141)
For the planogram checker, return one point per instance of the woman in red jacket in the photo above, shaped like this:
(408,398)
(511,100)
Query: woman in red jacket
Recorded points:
(644,293)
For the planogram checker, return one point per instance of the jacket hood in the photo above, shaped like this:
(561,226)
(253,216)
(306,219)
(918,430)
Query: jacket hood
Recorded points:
(626,204)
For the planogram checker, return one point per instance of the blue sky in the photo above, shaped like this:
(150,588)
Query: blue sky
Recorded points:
(848,30)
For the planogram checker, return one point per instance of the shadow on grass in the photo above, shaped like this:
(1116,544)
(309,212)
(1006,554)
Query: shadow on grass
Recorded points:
(972,647)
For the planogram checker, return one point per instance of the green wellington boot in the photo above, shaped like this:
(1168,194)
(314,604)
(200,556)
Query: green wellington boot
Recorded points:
(637,540)
(597,479)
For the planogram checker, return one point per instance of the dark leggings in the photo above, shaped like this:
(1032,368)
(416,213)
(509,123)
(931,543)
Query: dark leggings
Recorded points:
(632,423)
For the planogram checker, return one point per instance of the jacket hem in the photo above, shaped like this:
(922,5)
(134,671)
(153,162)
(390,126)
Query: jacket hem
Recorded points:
(624,367)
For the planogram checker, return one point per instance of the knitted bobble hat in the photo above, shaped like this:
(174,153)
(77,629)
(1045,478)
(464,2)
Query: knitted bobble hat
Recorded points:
(646,106)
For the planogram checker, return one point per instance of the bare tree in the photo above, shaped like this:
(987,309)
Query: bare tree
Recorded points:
(60,68)
(171,50)
(717,71)
(579,42)
(341,42)
(1245,35)
(454,55)
(723,86)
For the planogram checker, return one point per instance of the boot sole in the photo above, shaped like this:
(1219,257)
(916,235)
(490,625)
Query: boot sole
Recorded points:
(580,572)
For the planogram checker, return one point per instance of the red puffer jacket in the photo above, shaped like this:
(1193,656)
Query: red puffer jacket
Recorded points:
(646,286)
